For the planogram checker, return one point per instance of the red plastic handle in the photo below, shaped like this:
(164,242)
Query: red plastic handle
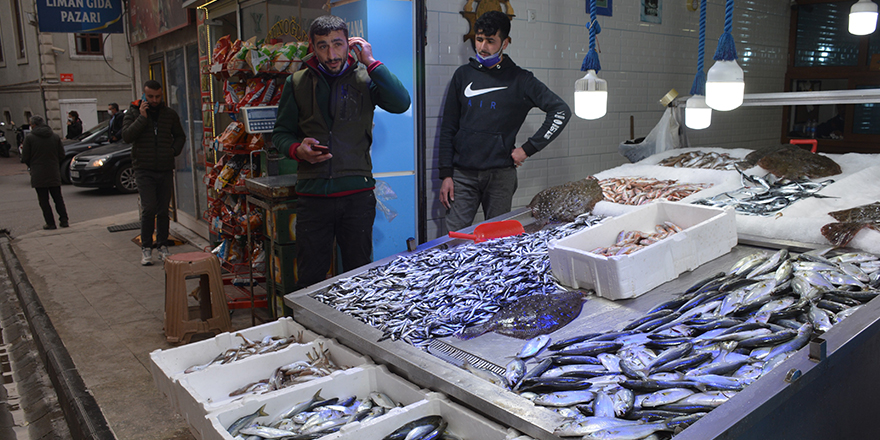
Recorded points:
(814,142)
(454,234)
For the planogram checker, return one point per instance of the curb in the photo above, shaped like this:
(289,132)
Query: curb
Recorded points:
(84,417)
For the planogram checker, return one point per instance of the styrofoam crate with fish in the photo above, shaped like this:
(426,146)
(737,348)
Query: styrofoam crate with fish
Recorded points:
(360,382)
(168,366)
(707,233)
(459,421)
(205,391)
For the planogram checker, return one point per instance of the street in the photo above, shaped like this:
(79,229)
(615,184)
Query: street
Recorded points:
(20,213)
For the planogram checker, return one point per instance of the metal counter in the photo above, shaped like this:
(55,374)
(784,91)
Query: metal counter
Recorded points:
(769,408)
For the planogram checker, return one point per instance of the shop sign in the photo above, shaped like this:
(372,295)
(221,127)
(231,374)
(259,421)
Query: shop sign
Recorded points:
(80,16)
(66,77)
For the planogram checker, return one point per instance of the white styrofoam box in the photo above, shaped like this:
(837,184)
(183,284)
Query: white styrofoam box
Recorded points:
(707,234)
(462,422)
(356,381)
(208,390)
(168,366)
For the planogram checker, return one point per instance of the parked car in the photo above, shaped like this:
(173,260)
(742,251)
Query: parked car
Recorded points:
(91,138)
(108,166)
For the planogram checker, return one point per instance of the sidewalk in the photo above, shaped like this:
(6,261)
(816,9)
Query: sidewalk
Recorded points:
(109,312)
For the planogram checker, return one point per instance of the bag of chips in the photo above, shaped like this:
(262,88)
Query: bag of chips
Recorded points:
(255,142)
(233,93)
(221,50)
(233,134)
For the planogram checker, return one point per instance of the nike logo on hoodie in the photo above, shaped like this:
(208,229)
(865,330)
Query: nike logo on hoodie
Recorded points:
(470,93)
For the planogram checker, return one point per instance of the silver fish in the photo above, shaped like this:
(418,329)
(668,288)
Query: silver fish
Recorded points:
(533,346)
(242,422)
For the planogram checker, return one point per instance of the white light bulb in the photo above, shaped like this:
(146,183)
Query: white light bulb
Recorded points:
(697,115)
(863,18)
(590,96)
(725,86)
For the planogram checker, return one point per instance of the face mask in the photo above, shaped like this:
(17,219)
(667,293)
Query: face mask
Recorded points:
(491,60)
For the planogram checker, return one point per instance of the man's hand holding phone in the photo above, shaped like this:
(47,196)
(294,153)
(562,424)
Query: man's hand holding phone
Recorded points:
(144,105)
(311,151)
(362,50)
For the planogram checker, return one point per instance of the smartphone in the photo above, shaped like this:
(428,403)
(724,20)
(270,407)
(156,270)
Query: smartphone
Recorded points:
(321,148)
(143,98)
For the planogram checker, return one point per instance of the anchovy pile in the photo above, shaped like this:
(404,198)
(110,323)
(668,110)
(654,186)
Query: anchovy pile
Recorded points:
(699,159)
(318,365)
(665,370)
(631,241)
(642,190)
(758,196)
(312,418)
(438,292)
(248,348)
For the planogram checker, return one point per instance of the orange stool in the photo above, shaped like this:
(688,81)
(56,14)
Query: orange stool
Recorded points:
(213,312)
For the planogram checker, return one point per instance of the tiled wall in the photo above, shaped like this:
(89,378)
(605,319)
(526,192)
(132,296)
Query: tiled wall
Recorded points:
(640,61)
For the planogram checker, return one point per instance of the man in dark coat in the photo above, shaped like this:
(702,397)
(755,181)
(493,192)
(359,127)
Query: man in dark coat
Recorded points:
(114,132)
(74,125)
(43,153)
(156,135)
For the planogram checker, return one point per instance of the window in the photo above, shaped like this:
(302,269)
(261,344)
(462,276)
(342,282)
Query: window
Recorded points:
(2,60)
(8,117)
(19,30)
(89,44)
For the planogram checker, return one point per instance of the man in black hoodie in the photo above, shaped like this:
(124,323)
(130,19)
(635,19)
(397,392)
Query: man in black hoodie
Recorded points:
(156,136)
(487,102)
(43,153)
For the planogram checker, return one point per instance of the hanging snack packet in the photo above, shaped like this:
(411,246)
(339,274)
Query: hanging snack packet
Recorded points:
(268,93)
(271,51)
(257,60)
(254,93)
(276,98)
(221,50)
(233,93)
(233,134)
(255,142)
(233,51)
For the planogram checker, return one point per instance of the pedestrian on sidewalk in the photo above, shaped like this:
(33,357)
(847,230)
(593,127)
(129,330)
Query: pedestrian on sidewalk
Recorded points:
(114,132)
(156,135)
(74,125)
(43,153)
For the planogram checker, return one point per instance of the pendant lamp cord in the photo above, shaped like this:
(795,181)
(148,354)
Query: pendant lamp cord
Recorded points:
(726,48)
(591,60)
(699,86)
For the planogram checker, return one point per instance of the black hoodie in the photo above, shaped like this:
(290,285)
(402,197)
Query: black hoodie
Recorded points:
(484,111)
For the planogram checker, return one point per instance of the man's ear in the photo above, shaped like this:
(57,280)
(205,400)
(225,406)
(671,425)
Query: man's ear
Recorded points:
(505,43)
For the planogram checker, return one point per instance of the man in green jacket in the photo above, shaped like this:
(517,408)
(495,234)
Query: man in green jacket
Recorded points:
(325,122)
(156,136)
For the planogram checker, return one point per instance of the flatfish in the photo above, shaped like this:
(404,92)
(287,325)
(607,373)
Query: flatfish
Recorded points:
(531,316)
(563,203)
(850,222)
(792,162)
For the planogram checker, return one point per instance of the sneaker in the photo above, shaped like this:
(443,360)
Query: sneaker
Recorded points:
(65,225)
(147,258)
(163,253)
(49,227)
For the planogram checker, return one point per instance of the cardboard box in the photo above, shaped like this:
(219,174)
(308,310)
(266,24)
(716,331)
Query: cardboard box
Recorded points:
(168,366)
(206,391)
(357,381)
(707,234)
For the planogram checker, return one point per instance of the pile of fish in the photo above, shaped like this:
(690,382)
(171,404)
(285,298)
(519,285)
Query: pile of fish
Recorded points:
(248,348)
(425,428)
(312,418)
(438,292)
(850,222)
(631,241)
(699,159)
(642,190)
(666,369)
(318,365)
(788,161)
(760,196)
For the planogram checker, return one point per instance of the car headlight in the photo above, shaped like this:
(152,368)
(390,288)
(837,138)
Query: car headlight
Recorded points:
(97,162)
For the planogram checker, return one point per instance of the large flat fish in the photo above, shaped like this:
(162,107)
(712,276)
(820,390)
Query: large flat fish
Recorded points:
(531,316)
(792,162)
(850,222)
(563,203)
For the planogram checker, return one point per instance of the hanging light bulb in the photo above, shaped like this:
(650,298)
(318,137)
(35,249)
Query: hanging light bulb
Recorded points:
(697,115)
(725,86)
(590,96)
(863,18)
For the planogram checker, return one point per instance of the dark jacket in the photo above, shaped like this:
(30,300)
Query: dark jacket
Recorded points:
(156,139)
(339,114)
(75,129)
(484,111)
(114,133)
(43,153)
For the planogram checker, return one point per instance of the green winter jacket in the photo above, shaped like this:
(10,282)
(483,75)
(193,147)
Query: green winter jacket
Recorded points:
(155,140)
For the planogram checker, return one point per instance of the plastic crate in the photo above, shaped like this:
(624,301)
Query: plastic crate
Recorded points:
(707,234)
(168,366)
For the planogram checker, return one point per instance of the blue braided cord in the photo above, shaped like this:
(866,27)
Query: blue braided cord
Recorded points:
(726,50)
(591,60)
(699,87)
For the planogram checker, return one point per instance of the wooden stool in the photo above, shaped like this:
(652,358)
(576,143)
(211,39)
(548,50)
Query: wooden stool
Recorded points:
(213,312)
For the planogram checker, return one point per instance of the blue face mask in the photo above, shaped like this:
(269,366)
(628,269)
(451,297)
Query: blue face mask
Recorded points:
(491,60)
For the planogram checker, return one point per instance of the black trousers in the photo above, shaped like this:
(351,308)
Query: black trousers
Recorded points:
(43,197)
(154,189)
(348,219)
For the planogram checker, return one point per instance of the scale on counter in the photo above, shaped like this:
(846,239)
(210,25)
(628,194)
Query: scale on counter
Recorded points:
(259,119)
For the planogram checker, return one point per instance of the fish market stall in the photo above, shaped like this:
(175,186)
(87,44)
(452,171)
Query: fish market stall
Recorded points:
(446,363)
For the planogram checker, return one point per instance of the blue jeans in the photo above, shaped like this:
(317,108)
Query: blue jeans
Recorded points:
(154,189)
(491,189)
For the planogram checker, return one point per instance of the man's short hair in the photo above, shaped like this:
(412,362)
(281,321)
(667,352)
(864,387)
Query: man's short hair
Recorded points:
(325,24)
(153,85)
(114,106)
(491,22)
(37,121)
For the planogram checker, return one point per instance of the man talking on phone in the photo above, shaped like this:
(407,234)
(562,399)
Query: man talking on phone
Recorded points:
(325,122)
